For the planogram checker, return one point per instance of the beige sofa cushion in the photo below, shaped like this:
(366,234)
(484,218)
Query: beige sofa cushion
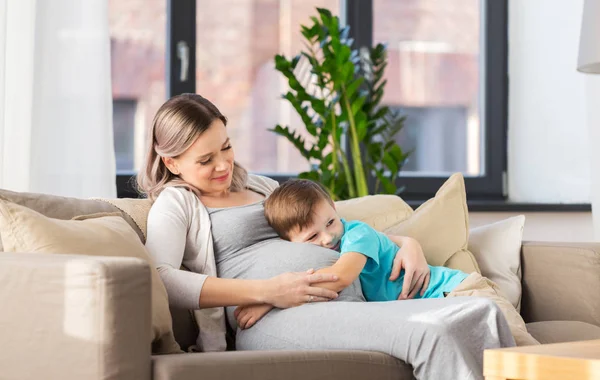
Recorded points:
(563,331)
(441,225)
(65,208)
(497,249)
(24,230)
(379,211)
(561,282)
(135,210)
(463,260)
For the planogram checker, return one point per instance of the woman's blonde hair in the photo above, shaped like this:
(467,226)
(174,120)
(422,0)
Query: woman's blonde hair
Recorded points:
(176,126)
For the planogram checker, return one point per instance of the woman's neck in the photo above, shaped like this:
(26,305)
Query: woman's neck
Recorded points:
(231,199)
(224,194)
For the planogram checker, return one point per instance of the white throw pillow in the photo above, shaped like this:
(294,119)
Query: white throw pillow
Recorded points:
(497,249)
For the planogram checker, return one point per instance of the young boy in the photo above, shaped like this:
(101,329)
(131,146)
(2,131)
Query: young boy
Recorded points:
(302,211)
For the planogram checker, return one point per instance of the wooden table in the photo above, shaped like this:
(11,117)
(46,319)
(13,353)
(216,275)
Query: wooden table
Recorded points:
(561,361)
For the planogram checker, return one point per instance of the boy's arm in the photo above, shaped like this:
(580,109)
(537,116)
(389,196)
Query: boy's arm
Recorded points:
(347,268)
(398,240)
(412,260)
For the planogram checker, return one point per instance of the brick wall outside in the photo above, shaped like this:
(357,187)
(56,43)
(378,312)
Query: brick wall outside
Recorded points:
(433,47)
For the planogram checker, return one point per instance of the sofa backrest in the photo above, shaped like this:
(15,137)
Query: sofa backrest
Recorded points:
(63,208)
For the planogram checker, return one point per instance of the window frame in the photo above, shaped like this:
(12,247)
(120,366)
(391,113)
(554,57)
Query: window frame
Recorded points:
(181,26)
(492,184)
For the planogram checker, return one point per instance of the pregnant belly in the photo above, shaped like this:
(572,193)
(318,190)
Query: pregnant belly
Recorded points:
(273,257)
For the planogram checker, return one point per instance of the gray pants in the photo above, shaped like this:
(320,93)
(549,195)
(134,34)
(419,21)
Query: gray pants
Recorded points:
(440,338)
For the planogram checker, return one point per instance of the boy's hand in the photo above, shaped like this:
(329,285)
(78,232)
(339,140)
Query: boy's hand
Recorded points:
(247,316)
(416,271)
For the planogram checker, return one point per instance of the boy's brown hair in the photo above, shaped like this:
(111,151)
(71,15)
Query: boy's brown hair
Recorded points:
(291,205)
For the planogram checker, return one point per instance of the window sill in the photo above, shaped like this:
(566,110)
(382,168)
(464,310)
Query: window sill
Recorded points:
(507,206)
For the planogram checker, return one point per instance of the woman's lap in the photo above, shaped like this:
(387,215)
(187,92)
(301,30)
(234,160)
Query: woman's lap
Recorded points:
(435,335)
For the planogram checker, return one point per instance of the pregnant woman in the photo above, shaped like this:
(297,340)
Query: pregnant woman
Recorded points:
(208,216)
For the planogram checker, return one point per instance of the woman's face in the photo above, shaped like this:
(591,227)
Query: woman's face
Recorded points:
(208,163)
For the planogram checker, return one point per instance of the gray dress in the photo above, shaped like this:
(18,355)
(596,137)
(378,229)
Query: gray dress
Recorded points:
(440,338)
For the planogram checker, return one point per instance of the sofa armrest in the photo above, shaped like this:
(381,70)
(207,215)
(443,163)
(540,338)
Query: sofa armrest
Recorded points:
(561,281)
(74,317)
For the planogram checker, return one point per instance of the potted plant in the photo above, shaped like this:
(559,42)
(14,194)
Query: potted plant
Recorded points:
(338,99)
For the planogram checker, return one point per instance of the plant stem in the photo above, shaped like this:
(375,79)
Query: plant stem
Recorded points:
(338,149)
(359,172)
(348,173)
(334,152)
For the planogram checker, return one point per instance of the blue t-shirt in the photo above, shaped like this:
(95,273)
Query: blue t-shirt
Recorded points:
(380,252)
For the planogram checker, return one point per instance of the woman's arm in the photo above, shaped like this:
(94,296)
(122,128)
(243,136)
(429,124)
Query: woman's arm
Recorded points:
(347,269)
(283,291)
(410,257)
(169,222)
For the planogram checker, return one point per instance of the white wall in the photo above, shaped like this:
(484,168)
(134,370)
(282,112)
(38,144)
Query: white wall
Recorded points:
(544,226)
(548,155)
(548,152)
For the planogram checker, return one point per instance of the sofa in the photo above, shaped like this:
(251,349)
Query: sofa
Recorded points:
(46,331)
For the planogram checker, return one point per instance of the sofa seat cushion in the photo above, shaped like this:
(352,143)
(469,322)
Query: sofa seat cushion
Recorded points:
(277,365)
(563,331)
(185,328)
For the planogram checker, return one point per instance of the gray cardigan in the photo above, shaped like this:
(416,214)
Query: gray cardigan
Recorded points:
(179,233)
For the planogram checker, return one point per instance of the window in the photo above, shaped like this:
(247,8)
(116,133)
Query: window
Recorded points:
(235,69)
(124,129)
(437,136)
(137,39)
(444,57)
(433,77)
(443,60)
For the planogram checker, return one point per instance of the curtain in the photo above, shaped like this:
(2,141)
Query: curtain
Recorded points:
(56,133)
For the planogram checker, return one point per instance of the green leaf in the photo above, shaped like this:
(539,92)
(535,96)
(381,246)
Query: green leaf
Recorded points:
(388,185)
(360,119)
(326,15)
(391,163)
(281,64)
(381,112)
(294,138)
(312,175)
(337,92)
(322,141)
(327,161)
(353,87)
(375,152)
(358,104)
(379,89)
(347,71)
(295,61)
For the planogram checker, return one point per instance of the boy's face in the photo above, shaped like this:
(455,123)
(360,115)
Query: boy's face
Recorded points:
(325,230)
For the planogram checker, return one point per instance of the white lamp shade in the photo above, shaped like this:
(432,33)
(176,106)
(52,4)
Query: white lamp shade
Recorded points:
(589,41)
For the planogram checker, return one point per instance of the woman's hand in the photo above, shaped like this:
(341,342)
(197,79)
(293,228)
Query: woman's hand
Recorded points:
(294,289)
(247,316)
(416,271)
